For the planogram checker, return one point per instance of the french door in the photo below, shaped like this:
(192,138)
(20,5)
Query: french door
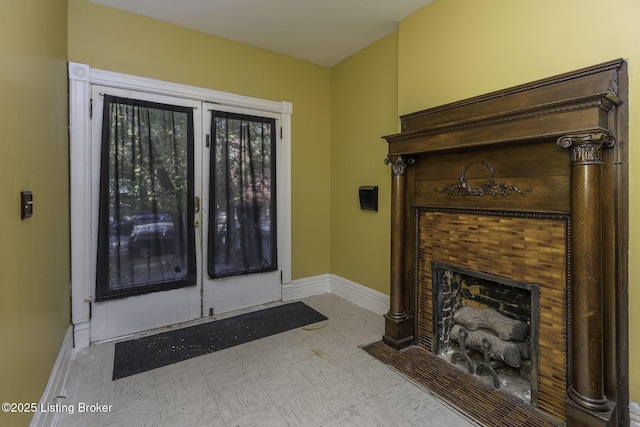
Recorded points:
(144,187)
(240,208)
(185,199)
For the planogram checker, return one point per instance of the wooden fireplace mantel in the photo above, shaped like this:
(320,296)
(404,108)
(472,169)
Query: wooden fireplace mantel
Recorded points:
(563,142)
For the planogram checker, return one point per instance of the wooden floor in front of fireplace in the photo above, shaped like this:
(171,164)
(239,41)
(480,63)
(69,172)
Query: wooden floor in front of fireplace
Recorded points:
(481,402)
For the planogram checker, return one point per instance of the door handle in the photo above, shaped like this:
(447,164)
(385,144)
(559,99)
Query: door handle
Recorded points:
(196,204)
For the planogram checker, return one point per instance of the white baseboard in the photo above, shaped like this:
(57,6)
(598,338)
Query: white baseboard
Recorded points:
(368,298)
(634,414)
(309,286)
(287,291)
(57,382)
(81,333)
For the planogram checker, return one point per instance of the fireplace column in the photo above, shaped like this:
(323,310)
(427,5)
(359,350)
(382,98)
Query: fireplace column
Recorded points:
(398,331)
(587,403)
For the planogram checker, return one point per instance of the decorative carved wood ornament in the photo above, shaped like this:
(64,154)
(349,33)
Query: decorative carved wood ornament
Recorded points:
(490,188)
(586,147)
(566,138)
(399,164)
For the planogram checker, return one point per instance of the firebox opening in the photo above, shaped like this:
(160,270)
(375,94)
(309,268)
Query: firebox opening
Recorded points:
(488,326)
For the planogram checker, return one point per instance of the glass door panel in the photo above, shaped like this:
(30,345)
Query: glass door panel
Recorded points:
(242,195)
(146,237)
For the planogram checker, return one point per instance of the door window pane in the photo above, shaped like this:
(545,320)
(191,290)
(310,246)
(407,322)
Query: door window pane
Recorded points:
(145,240)
(242,222)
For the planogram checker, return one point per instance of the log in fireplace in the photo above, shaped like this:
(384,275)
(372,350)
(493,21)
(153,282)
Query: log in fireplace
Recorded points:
(488,324)
(528,185)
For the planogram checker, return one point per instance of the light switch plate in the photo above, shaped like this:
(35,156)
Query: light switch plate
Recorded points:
(26,204)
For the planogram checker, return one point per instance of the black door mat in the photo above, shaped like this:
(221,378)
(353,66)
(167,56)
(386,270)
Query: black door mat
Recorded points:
(154,351)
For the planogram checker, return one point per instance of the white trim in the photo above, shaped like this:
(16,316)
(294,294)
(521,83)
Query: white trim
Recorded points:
(83,229)
(80,175)
(56,384)
(284,203)
(369,298)
(634,414)
(144,84)
(82,333)
(287,292)
(366,297)
(302,288)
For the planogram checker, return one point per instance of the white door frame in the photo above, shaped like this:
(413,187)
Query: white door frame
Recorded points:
(83,225)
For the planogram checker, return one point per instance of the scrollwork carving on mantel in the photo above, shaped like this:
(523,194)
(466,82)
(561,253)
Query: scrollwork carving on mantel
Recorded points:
(490,188)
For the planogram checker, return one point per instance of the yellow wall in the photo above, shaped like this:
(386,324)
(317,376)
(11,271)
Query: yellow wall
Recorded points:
(363,108)
(34,253)
(114,40)
(455,49)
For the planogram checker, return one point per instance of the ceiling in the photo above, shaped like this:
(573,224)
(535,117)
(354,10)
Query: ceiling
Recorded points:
(320,31)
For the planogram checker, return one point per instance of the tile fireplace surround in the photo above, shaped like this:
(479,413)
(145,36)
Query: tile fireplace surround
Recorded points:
(528,184)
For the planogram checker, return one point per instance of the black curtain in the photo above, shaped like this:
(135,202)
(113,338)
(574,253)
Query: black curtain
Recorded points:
(242,203)
(146,239)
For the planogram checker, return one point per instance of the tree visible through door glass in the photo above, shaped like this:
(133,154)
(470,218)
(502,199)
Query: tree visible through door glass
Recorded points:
(145,239)
(242,231)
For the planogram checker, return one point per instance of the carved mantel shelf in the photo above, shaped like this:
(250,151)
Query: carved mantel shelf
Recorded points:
(557,145)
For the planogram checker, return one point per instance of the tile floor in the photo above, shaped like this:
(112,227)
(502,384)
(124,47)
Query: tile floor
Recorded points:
(311,376)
